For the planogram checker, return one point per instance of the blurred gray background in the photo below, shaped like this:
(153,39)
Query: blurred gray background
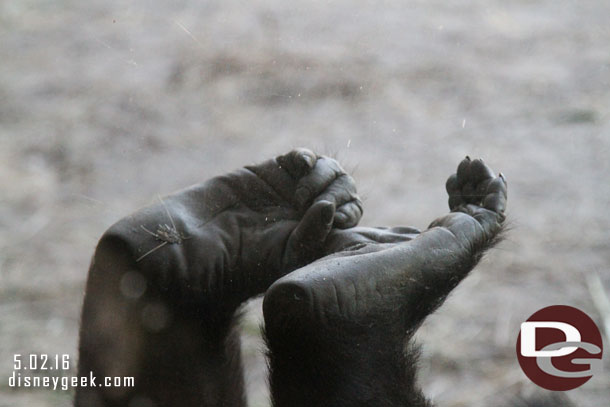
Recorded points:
(106,104)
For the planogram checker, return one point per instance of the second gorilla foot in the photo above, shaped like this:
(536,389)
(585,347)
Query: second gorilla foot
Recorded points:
(338,329)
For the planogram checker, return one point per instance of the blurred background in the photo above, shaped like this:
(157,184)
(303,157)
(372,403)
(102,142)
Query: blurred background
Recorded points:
(105,104)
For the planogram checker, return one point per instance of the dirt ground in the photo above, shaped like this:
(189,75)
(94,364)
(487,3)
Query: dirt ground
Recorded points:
(105,104)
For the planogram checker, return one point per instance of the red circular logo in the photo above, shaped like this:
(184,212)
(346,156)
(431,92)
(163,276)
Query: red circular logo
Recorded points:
(559,348)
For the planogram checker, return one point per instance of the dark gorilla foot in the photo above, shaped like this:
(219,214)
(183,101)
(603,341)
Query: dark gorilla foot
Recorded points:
(165,282)
(338,329)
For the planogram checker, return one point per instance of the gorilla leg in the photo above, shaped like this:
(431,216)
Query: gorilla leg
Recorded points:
(339,330)
(178,352)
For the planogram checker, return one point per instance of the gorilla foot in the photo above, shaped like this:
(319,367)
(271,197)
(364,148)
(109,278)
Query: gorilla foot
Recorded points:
(338,330)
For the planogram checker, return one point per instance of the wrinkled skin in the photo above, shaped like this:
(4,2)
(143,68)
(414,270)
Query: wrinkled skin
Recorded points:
(338,329)
(165,282)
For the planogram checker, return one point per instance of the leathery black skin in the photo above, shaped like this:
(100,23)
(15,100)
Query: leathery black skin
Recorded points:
(339,329)
(165,283)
